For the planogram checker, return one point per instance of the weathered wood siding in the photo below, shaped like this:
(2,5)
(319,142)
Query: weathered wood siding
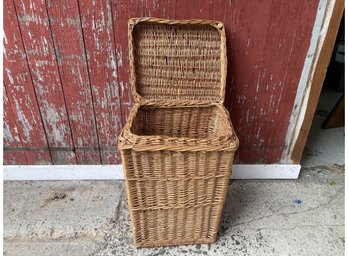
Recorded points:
(66,73)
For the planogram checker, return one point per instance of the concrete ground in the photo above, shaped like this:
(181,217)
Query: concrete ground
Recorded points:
(283,217)
(324,146)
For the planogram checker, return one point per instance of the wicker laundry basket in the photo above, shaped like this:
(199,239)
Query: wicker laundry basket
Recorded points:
(178,144)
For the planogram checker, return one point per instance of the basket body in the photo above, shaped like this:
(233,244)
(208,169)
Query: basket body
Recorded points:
(178,144)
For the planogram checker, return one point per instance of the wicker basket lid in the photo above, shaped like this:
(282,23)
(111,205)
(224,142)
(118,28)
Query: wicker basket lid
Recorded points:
(177,60)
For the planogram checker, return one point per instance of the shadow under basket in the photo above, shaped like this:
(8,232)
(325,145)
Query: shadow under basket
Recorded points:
(178,144)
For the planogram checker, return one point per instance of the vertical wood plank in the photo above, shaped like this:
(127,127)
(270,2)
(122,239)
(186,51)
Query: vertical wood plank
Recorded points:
(13,149)
(194,9)
(68,41)
(320,70)
(97,28)
(265,55)
(33,21)
(159,9)
(20,92)
(122,11)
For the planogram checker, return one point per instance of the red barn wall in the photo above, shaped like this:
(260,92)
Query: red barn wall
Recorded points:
(66,74)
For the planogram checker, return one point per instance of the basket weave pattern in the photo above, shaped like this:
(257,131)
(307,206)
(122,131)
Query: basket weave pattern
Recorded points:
(178,144)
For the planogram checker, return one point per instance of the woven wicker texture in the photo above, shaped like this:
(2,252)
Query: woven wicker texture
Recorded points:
(195,122)
(178,61)
(178,144)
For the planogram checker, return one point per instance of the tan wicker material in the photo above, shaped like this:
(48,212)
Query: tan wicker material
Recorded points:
(178,144)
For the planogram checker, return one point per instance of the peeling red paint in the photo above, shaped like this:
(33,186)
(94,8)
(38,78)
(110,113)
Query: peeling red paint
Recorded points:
(68,42)
(45,76)
(267,44)
(122,11)
(21,95)
(80,71)
(11,136)
(102,64)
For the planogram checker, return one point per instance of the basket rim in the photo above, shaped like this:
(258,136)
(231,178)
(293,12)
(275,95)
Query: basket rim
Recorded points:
(219,25)
(129,140)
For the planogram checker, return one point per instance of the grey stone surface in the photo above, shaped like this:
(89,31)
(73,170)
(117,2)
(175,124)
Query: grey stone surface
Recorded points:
(55,247)
(262,218)
(283,217)
(324,146)
(58,214)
